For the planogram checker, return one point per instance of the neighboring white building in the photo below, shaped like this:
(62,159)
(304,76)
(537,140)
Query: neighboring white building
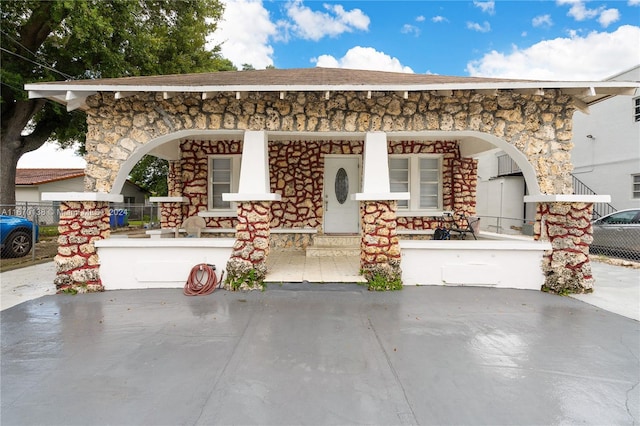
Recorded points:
(606,152)
(31,183)
(605,156)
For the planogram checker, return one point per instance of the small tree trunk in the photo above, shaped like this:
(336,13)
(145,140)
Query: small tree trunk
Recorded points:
(9,157)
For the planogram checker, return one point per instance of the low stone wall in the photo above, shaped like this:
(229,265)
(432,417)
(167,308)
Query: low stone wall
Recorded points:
(81,225)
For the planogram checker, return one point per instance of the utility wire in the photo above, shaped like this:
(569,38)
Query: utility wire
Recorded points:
(67,76)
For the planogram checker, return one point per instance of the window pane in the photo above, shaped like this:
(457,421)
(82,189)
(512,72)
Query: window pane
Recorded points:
(220,182)
(399,178)
(429,183)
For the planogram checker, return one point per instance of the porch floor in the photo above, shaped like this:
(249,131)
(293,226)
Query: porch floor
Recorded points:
(290,266)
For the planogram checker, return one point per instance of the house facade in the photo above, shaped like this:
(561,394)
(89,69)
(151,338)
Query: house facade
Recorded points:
(373,154)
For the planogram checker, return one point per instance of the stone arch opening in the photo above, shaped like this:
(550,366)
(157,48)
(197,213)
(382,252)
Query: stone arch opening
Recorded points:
(132,160)
(469,138)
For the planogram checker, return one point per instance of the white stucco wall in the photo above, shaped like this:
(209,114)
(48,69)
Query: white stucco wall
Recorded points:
(606,161)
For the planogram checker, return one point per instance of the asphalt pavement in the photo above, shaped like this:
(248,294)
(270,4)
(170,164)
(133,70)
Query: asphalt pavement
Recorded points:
(318,354)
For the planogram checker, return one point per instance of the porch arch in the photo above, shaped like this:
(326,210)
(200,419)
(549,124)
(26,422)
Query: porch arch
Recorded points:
(142,150)
(468,137)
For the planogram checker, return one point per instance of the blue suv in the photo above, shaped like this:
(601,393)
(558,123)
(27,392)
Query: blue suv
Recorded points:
(16,236)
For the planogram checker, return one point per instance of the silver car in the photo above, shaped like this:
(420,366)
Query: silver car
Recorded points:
(618,234)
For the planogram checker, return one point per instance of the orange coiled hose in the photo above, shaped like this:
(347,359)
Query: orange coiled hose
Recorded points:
(202,280)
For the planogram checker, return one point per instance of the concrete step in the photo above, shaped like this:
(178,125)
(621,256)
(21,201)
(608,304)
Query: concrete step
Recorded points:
(337,240)
(334,246)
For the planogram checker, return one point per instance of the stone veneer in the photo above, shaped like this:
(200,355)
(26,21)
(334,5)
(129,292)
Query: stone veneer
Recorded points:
(540,126)
(568,227)
(380,247)
(537,125)
(297,174)
(81,224)
(247,266)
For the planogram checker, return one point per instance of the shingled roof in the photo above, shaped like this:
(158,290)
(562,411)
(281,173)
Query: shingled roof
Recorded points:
(41,176)
(73,93)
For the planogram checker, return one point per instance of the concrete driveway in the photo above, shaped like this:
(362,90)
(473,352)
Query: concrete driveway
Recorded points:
(318,354)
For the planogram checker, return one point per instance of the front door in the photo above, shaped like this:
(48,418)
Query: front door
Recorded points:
(341,181)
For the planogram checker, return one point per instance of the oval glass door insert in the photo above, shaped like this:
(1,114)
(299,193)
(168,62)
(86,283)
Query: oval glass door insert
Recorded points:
(342,185)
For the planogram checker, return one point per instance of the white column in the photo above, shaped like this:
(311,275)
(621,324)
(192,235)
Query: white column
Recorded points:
(375,179)
(254,182)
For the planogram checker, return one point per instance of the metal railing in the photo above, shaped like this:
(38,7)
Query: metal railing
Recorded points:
(599,209)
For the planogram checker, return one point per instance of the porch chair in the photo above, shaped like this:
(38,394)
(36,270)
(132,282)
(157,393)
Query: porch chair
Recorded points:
(193,226)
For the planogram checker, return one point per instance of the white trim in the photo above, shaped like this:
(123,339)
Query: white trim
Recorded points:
(381,196)
(252,197)
(55,88)
(566,198)
(218,213)
(82,196)
(236,161)
(183,200)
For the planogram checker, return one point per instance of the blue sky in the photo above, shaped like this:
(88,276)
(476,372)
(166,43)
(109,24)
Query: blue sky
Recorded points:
(550,40)
(566,39)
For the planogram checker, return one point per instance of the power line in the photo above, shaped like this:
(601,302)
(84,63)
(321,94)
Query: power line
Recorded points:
(67,76)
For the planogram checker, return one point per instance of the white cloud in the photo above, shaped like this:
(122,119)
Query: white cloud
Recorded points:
(422,18)
(244,32)
(485,27)
(593,57)
(443,19)
(608,17)
(633,2)
(486,6)
(363,58)
(579,11)
(314,25)
(410,29)
(542,21)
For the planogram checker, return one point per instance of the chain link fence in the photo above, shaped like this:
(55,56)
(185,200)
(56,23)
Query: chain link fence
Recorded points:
(619,239)
(37,239)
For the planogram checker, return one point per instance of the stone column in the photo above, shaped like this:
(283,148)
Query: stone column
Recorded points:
(81,224)
(247,266)
(380,247)
(567,225)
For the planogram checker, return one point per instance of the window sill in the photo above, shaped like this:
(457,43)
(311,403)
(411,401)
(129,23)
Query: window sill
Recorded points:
(218,213)
(420,213)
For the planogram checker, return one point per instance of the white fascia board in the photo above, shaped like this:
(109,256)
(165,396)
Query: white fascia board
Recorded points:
(63,88)
(82,196)
(567,198)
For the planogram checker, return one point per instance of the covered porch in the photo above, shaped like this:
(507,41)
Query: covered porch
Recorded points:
(384,153)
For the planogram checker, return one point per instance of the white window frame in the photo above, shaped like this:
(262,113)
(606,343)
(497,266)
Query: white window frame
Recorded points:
(235,179)
(635,186)
(413,208)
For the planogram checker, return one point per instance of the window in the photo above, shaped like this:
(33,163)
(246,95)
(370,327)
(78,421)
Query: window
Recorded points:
(635,190)
(224,172)
(636,110)
(421,176)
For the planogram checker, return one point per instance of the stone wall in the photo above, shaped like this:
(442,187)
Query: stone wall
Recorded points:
(247,266)
(80,225)
(539,126)
(568,227)
(380,246)
(297,174)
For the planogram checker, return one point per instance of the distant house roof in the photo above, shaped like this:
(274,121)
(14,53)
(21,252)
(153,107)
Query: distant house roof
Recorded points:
(41,176)
(73,93)
(28,177)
